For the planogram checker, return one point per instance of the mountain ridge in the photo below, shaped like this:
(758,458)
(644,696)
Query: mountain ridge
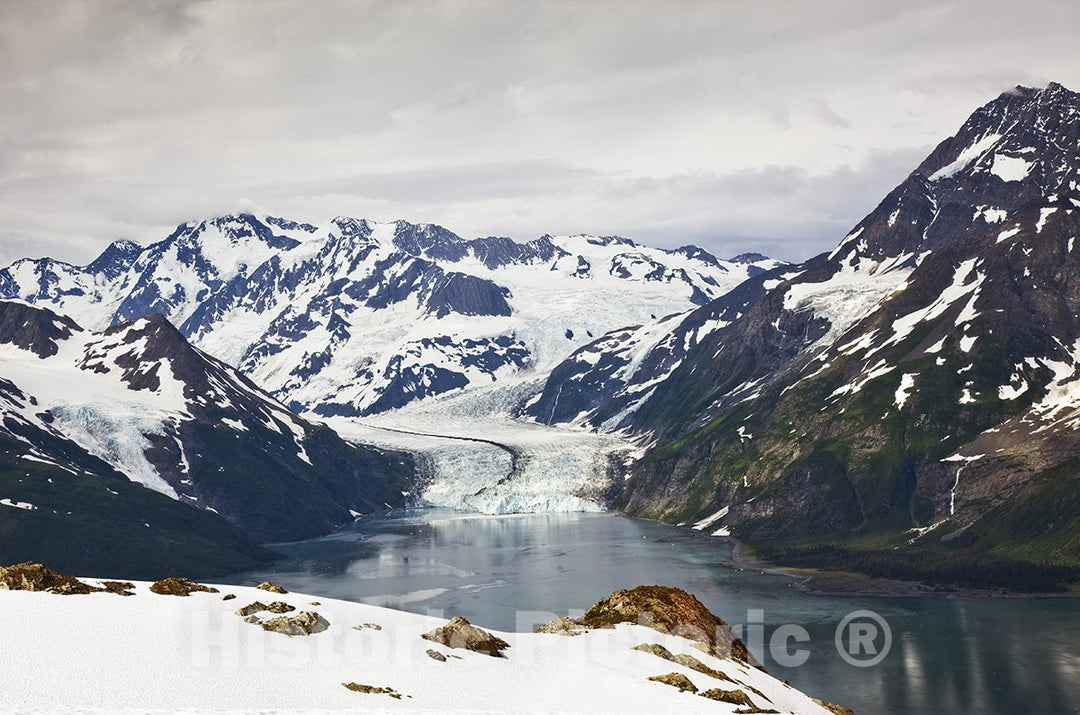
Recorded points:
(134,410)
(910,393)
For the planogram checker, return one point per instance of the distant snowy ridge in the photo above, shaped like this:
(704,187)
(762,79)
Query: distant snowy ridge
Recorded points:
(407,326)
(358,317)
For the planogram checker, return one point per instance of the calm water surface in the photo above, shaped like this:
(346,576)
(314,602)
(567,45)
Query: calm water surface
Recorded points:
(948,655)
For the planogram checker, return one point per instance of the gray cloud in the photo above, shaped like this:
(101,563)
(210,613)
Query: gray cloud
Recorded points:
(737,125)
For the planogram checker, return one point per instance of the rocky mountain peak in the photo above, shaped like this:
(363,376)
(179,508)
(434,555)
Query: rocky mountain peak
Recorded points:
(115,259)
(38,330)
(139,347)
(1018,150)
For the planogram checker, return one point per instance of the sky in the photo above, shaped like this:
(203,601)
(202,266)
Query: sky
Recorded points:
(765,126)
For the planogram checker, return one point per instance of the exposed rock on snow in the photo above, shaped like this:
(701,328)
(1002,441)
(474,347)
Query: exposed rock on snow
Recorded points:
(231,667)
(303,624)
(372,690)
(279,607)
(272,587)
(459,633)
(120,588)
(35,577)
(683,659)
(368,626)
(245,611)
(669,610)
(676,680)
(562,626)
(735,697)
(179,587)
(834,708)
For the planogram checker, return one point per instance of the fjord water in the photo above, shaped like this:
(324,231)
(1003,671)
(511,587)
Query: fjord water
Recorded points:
(969,655)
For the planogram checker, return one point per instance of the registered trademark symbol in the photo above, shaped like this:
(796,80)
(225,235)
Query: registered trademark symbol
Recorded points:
(863,638)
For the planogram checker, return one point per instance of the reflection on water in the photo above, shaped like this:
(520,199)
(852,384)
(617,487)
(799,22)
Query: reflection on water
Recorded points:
(959,656)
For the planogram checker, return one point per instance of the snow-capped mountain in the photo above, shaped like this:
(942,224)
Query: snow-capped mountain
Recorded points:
(915,389)
(135,403)
(357,317)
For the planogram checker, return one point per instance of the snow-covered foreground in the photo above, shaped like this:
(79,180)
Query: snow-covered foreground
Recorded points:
(151,652)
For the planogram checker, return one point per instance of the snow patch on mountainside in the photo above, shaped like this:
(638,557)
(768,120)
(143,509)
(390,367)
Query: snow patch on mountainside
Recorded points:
(966,157)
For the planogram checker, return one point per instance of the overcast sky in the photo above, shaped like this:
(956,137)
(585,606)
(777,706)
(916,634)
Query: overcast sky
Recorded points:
(768,126)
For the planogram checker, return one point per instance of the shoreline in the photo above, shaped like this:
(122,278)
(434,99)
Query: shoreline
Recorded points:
(820,582)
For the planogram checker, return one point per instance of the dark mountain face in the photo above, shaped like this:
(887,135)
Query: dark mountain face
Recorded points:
(116,259)
(913,392)
(176,439)
(36,330)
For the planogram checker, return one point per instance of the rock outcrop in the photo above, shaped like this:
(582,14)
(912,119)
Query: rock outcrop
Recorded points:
(688,661)
(459,633)
(30,576)
(180,587)
(676,680)
(302,624)
(668,610)
(251,608)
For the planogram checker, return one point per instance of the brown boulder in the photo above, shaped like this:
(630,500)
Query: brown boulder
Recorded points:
(272,587)
(179,587)
(279,607)
(676,680)
(459,633)
(251,608)
(302,624)
(30,576)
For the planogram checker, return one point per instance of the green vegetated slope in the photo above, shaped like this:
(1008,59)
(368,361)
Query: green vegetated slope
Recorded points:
(968,476)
